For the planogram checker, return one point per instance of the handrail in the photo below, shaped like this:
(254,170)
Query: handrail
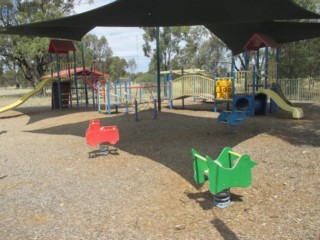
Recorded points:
(234,153)
(193,86)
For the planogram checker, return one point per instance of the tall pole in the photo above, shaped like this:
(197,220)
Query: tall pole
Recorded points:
(278,64)
(258,79)
(59,80)
(75,77)
(84,74)
(246,68)
(158,68)
(266,84)
(53,104)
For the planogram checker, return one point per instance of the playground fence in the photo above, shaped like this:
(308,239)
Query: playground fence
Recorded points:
(301,89)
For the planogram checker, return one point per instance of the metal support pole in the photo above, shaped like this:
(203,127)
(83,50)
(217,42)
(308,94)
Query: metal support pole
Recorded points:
(120,89)
(246,68)
(233,85)
(92,88)
(130,91)
(59,81)
(136,114)
(254,75)
(75,78)
(83,75)
(53,103)
(155,113)
(257,72)
(266,68)
(170,96)
(68,65)
(115,92)
(278,64)
(108,98)
(140,94)
(170,91)
(158,68)
(126,96)
(215,109)
(69,75)
(98,96)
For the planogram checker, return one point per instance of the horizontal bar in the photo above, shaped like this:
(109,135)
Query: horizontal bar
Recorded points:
(234,153)
(200,157)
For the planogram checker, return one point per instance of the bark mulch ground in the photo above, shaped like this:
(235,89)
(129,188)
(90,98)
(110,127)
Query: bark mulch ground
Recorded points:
(51,189)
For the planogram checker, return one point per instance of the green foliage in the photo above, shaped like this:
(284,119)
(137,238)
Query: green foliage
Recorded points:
(185,47)
(300,59)
(96,48)
(203,50)
(310,5)
(97,53)
(170,39)
(29,54)
(145,79)
(12,77)
(117,67)
(132,65)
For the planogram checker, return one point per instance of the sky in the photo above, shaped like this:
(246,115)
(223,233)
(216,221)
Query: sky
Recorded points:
(125,42)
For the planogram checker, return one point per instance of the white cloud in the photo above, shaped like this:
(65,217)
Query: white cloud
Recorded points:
(125,42)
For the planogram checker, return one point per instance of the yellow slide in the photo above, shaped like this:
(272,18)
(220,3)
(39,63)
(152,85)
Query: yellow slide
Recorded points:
(25,97)
(296,112)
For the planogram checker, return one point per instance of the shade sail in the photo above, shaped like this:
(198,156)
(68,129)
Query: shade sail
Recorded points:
(221,17)
(42,30)
(235,36)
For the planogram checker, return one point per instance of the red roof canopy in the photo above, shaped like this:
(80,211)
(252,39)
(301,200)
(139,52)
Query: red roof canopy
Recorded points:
(80,72)
(261,40)
(61,46)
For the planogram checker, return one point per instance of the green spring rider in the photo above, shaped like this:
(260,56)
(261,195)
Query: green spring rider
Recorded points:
(229,170)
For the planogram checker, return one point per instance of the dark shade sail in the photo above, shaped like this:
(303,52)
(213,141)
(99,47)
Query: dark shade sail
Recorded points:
(234,21)
(236,36)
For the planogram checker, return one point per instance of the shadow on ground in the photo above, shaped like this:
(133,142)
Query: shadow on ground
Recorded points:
(170,138)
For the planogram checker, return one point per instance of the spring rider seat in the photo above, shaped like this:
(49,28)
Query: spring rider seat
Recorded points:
(102,136)
(230,169)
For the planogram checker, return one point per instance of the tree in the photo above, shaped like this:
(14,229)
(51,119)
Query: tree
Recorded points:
(294,56)
(97,52)
(170,39)
(301,59)
(117,68)
(185,47)
(132,65)
(202,50)
(211,54)
(29,54)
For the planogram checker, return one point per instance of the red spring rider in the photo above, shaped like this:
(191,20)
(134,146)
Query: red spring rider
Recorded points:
(97,135)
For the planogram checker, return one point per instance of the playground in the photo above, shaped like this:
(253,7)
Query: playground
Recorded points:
(52,189)
(56,184)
